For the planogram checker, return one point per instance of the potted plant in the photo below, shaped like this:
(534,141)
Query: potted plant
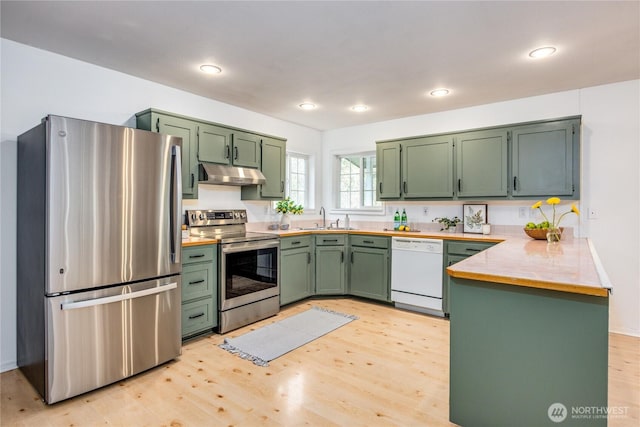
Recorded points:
(287,207)
(448,224)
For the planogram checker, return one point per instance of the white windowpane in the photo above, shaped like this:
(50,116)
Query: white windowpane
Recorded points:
(297,178)
(357,181)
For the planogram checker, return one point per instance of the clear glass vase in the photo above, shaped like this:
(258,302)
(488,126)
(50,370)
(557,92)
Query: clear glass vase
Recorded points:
(554,235)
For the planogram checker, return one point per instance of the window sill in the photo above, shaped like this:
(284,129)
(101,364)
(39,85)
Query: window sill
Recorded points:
(379,212)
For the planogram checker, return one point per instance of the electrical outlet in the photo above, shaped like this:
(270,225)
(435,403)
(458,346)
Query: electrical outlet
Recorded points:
(522,212)
(425,211)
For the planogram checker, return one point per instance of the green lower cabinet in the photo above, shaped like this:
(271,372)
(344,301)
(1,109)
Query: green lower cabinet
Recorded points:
(330,265)
(199,289)
(370,266)
(369,273)
(527,357)
(296,269)
(455,251)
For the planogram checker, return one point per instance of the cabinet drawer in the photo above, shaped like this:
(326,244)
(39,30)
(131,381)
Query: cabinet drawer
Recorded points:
(295,242)
(369,241)
(198,316)
(197,281)
(330,240)
(204,253)
(467,248)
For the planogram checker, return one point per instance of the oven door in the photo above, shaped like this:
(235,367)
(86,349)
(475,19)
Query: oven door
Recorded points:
(249,272)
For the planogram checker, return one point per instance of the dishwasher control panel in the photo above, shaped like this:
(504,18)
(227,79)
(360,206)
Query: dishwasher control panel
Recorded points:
(417,245)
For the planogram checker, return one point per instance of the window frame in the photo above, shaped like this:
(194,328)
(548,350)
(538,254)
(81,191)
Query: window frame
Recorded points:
(364,210)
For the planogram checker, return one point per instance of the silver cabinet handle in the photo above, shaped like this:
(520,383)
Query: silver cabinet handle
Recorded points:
(116,298)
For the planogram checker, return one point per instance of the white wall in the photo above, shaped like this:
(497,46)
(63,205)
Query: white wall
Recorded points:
(36,83)
(610,178)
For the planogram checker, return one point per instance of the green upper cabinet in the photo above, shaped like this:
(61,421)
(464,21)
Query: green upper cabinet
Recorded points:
(542,159)
(225,146)
(427,167)
(388,170)
(533,159)
(214,144)
(273,155)
(481,163)
(245,150)
(185,129)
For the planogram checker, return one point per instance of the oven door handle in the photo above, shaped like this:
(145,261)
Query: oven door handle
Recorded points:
(249,246)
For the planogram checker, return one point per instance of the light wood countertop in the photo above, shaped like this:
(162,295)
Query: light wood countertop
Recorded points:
(198,241)
(569,266)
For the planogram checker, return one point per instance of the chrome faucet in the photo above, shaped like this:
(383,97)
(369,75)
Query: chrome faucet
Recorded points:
(324,219)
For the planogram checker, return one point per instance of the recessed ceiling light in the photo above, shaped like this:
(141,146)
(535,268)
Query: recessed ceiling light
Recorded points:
(359,108)
(439,92)
(542,52)
(307,106)
(210,69)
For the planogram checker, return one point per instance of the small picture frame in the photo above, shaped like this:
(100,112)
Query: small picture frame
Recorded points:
(473,216)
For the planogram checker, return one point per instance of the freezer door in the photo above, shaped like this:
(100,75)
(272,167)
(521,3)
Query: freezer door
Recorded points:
(114,205)
(96,338)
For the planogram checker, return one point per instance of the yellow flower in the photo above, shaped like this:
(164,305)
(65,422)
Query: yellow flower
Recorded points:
(536,205)
(553,201)
(575,210)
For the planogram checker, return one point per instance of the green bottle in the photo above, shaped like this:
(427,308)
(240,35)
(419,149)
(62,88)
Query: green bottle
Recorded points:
(403,219)
(396,220)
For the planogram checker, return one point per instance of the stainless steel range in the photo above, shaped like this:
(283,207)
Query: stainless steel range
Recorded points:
(248,265)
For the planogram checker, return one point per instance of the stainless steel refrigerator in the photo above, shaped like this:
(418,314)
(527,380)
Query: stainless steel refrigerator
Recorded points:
(98,254)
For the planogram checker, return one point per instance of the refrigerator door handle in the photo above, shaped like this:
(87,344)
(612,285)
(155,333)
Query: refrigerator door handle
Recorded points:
(176,208)
(116,298)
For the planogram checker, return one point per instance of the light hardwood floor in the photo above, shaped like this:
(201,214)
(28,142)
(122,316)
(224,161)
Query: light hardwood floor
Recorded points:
(390,367)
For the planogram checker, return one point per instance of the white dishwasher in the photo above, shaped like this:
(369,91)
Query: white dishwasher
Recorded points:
(416,274)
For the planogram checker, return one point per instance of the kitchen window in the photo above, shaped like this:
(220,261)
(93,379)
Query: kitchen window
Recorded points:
(357,182)
(297,180)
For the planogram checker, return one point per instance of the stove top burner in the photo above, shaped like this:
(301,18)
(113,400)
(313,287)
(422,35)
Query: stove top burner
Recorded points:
(228,226)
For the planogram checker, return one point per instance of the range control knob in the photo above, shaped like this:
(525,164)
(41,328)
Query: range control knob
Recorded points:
(236,214)
(201,217)
(243,214)
(193,217)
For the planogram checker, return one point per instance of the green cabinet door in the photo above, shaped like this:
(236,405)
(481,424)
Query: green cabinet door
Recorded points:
(427,167)
(199,289)
(296,277)
(185,129)
(330,270)
(245,150)
(369,273)
(481,163)
(388,170)
(542,159)
(272,164)
(273,158)
(214,144)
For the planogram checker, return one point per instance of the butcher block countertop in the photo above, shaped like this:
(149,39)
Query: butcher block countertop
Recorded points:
(569,266)
(197,241)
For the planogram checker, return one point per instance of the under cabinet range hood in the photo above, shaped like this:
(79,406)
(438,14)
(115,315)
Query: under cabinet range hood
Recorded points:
(212,173)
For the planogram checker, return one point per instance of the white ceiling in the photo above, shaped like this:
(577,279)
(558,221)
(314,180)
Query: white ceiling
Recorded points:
(388,55)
